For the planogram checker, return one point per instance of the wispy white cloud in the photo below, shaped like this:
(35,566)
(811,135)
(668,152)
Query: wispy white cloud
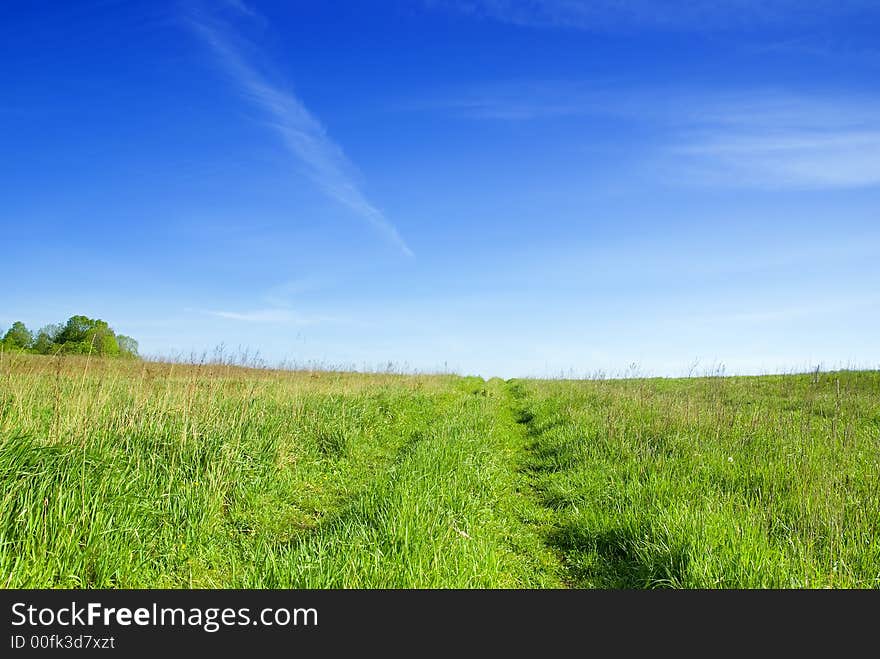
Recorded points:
(776,110)
(272,315)
(242,7)
(791,313)
(748,137)
(779,140)
(301,132)
(520,100)
(800,160)
(282,295)
(617,15)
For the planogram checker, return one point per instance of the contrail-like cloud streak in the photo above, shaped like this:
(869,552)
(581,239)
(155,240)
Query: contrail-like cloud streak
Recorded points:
(302,133)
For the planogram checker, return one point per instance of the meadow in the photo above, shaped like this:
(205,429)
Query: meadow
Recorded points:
(134,474)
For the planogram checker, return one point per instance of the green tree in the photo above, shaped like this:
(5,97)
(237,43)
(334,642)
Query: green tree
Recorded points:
(80,335)
(100,339)
(42,344)
(18,336)
(74,331)
(46,341)
(84,335)
(128,347)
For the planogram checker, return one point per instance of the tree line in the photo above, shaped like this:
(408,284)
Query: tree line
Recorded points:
(80,335)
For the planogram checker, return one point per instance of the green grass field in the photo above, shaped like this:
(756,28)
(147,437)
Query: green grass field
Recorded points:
(140,474)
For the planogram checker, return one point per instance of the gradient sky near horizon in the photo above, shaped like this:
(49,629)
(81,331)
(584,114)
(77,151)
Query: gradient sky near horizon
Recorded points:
(485,186)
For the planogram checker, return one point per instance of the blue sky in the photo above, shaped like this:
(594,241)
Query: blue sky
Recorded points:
(486,186)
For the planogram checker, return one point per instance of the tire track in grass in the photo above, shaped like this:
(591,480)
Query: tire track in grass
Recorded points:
(596,547)
(390,534)
(334,484)
(545,564)
(537,515)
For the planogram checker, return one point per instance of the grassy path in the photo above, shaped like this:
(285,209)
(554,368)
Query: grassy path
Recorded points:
(447,514)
